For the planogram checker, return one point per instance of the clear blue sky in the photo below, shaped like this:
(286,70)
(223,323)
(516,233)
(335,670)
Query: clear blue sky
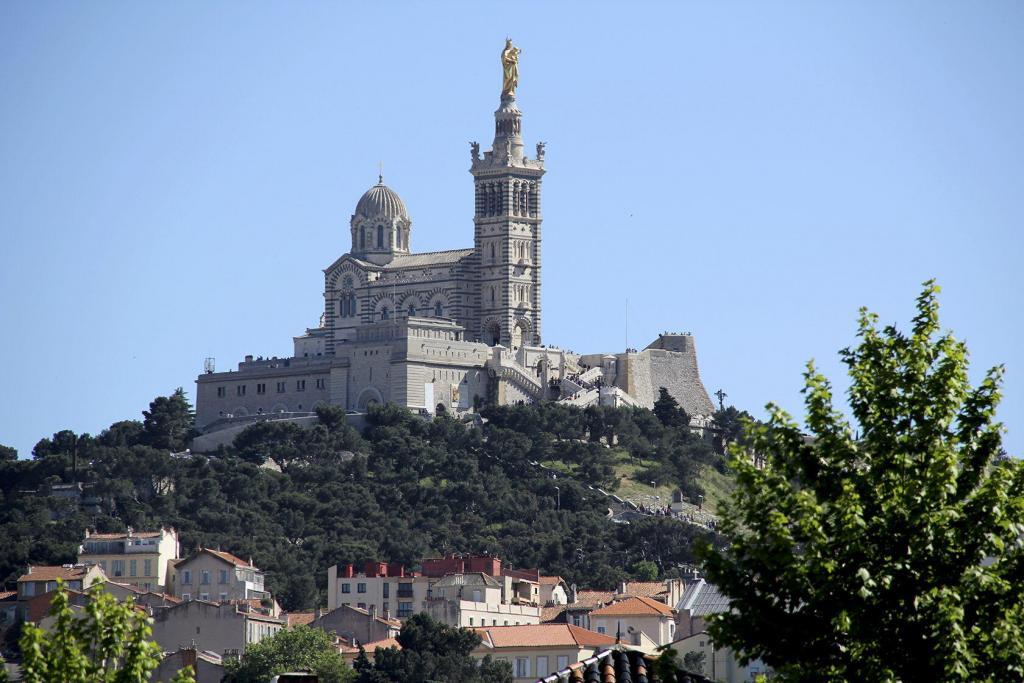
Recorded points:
(174,176)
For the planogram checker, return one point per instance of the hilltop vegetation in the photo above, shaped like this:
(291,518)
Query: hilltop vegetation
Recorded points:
(404,489)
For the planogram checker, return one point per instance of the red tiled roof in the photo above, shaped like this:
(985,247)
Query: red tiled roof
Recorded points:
(633,606)
(646,589)
(49,573)
(384,643)
(543,635)
(228,557)
(550,580)
(299,618)
(551,613)
(592,598)
(8,595)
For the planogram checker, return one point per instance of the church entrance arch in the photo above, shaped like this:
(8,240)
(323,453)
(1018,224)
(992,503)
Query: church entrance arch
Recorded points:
(368,397)
(520,334)
(493,333)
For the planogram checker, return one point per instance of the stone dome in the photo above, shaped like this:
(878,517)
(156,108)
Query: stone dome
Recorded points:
(381,200)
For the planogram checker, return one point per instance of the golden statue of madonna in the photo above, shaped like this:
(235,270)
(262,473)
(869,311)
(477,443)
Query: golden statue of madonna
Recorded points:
(510,68)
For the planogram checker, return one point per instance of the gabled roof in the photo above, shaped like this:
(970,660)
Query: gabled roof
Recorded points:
(8,595)
(299,618)
(702,598)
(550,580)
(428,258)
(52,573)
(646,589)
(233,560)
(542,635)
(634,606)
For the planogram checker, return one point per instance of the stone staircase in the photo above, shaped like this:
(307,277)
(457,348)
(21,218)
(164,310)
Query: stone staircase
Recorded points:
(523,381)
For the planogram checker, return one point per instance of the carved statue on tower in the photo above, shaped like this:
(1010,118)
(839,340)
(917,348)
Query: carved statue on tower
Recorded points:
(510,68)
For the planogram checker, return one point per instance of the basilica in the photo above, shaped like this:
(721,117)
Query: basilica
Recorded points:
(447,330)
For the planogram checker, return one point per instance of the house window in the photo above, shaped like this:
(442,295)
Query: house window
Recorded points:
(147,586)
(404,609)
(261,388)
(471,621)
(563,661)
(380,236)
(280,387)
(223,576)
(386,590)
(204,577)
(222,392)
(321,383)
(133,567)
(300,385)
(346,588)
(361,605)
(147,567)
(360,588)
(240,390)
(522,667)
(600,629)
(51,586)
(223,597)
(204,596)
(186,597)
(186,576)
(542,667)
(476,595)
(118,568)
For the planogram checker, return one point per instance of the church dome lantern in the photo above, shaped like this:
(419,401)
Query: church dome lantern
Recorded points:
(380,225)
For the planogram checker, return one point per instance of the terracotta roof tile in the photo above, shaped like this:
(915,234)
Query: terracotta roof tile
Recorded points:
(550,580)
(385,643)
(543,635)
(49,573)
(299,618)
(124,534)
(8,595)
(647,589)
(634,606)
(592,598)
(616,666)
(228,557)
(549,614)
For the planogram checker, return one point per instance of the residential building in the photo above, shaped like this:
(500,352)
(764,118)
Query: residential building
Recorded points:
(207,667)
(357,625)
(37,582)
(476,599)
(139,558)
(580,603)
(536,650)
(553,590)
(719,664)
(216,576)
(507,595)
(143,598)
(642,623)
(217,627)
(8,608)
(351,652)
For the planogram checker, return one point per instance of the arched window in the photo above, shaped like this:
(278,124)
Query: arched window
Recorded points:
(380,236)
(343,307)
(412,310)
(438,310)
(384,313)
(362,239)
(492,251)
(352,308)
(492,295)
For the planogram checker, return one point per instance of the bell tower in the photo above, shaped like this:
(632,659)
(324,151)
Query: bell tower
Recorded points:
(507,222)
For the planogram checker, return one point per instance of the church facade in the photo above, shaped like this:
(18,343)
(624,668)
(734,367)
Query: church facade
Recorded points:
(446,330)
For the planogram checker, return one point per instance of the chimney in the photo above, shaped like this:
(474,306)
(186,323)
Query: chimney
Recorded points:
(387,613)
(29,569)
(622,587)
(373,610)
(189,656)
(572,594)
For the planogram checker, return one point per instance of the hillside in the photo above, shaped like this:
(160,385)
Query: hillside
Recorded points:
(404,489)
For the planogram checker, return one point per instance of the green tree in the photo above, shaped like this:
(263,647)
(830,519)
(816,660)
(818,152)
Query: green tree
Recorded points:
(299,649)
(432,651)
(167,424)
(645,570)
(104,642)
(7,453)
(667,410)
(892,556)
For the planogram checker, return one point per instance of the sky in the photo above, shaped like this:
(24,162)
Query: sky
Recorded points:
(175,176)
